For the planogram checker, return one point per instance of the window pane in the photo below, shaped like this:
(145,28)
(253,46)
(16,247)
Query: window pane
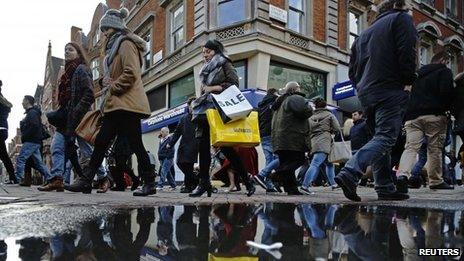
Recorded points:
(178,38)
(352,38)
(231,12)
(157,98)
(178,17)
(180,90)
(241,68)
(294,21)
(298,4)
(354,24)
(312,84)
(94,67)
(423,56)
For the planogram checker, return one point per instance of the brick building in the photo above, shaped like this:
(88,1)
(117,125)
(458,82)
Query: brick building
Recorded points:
(270,41)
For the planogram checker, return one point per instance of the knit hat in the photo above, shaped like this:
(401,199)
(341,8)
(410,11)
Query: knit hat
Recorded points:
(114,18)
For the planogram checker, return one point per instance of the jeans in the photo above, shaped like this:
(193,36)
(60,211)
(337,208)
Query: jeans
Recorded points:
(126,124)
(319,159)
(58,157)
(266,144)
(385,116)
(165,173)
(85,153)
(30,149)
(310,216)
(434,128)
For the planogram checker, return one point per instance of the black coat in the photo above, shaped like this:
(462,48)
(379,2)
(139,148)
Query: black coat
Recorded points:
(188,147)
(4,111)
(31,126)
(383,57)
(265,114)
(432,92)
(359,134)
(164,152)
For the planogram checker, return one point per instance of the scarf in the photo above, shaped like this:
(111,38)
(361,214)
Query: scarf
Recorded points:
(112,47)
(64,88)
(212,68)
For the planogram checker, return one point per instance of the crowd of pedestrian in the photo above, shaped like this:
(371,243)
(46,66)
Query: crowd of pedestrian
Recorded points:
(398,103)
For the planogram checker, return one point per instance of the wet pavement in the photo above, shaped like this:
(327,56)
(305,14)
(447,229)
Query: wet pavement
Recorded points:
(221,231)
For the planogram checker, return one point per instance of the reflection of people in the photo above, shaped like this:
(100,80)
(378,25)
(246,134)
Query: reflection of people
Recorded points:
(165,231)
(186,234)
(3,250)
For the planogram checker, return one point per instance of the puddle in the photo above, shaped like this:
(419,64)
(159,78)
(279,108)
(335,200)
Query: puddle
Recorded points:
(221,232)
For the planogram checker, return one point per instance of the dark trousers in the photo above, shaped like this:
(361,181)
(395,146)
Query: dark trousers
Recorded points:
(290,161)
(127,124)
(4,155)
(385,117)
(187,169)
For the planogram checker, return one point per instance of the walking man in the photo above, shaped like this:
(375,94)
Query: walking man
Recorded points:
(31,138)
(5,108)
(166,158)
(382,67)
(431,98)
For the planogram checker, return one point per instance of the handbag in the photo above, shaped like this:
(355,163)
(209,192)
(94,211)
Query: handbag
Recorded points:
(90,125)
(243,132)
(340,151)
(232,104)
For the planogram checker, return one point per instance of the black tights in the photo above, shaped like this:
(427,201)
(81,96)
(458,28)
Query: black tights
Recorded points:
(127,124)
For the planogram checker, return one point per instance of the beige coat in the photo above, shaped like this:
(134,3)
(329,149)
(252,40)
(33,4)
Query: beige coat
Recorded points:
(323,124)
(127,93)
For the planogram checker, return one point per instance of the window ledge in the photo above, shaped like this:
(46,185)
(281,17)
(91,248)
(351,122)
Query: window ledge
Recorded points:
(164,3)
(425,6)
(453,21)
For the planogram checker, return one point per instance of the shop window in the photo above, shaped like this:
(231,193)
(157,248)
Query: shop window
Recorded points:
(312,83)
(157,98)
(180,90)
(241,68)
(177,27)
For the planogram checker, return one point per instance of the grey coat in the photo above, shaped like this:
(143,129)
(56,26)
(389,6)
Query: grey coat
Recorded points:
(323,124)
(290,126)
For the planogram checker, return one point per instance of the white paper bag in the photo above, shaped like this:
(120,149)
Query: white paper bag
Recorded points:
(232,104)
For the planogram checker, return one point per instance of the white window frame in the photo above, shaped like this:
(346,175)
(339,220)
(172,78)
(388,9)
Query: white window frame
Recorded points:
(172,30)
(303,16)
(454,14)
(149,51)
(95,68)
(350,32)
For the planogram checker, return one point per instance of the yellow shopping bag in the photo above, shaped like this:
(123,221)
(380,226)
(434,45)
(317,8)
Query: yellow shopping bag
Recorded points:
(244,132)
(212,257)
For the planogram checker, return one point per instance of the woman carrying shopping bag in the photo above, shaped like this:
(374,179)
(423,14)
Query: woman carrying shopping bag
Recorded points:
(323,124)
(125,101)
(216,75)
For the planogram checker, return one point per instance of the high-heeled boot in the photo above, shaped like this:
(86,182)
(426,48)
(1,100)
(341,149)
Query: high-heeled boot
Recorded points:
(204,186)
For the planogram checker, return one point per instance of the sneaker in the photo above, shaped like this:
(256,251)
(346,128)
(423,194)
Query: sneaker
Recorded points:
(349,189)
(260,180)
(306,191)
(172,189)
(159,188)
(393,196)
(442,185)
(272,190)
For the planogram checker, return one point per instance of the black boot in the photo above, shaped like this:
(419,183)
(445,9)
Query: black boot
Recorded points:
(83,183)
(135,183)
(402,184)
(80,185)
(204,186)
(149,184)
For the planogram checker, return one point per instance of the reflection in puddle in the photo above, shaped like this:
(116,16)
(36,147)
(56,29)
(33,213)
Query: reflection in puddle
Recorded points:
(221,232)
